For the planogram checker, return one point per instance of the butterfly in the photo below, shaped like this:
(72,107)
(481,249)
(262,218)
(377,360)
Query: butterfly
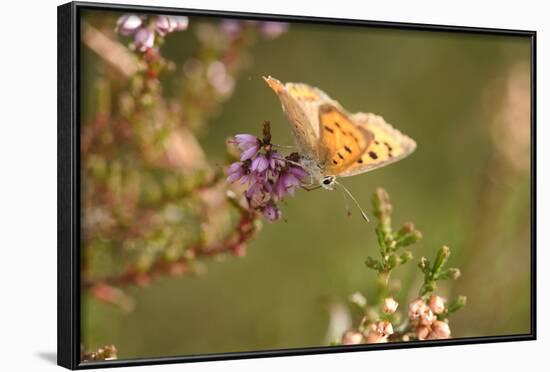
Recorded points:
(333,143)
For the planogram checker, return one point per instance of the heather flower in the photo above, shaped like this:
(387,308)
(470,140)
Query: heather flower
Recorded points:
(390,305)
(260,164)
(383,328)
(144,39)
(440,330)
(271,211)
(271,161)
(128,24)
(420,312)
(436,304)
(352,337)
(257,184)
(168,23)
(143,30)
(358,299)
(231,28)
(288,180)
(375,338)
(235,172)
(422,332)
(427,318)
(272,30)
(416,309)
(267,174)
(248,143)
(219,79)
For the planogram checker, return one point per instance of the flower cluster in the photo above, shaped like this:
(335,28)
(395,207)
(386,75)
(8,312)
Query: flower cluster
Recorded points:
(270,30)
(371,332)
(423,317)
(267,175)
(144,29)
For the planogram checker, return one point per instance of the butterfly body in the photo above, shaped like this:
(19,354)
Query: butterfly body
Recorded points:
(333,143)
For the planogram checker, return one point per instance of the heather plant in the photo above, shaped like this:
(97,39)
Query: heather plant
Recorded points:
(152,203)
(424,317)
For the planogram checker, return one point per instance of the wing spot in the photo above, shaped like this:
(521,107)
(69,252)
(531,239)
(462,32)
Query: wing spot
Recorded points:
(373,155)
(334,162)
(360,161)
(347,149)
(337,124)
(376,142)
(340,155)
(328,129)
(388,146)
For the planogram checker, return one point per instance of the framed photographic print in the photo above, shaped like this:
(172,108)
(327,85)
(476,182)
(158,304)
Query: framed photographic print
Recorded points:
(236,185)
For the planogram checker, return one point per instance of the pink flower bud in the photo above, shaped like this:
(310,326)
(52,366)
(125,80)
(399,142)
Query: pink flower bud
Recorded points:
(440,330)
(374,338)
(437,304)
(144,39)
(167,23)
(427,318)
(358,299)
(272,30)
(390,305)
(128,24)
(352,337)
(416,309)
(383,328)
(420,313)
(422,332)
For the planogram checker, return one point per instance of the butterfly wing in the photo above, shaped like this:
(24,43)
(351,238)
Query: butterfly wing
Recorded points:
(388,145)
(341,142)
(301,105)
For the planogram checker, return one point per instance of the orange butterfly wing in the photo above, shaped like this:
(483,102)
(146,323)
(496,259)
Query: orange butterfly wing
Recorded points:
(387,146)
(341,142)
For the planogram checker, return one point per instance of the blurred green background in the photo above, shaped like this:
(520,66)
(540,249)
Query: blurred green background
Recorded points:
(464,98)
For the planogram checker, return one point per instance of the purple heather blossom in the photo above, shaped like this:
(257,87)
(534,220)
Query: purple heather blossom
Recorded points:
(143,30)
(167,23)
(272,30)
(268,176)
(288,180)
(258,186)
(144,39)
(248,143)
(249,153)
(271,161)
(235,172)
(128,24)
(231,27)
(271,211)
(218,77)
(260,164)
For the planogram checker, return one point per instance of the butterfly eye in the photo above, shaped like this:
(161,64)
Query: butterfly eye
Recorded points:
(327,182)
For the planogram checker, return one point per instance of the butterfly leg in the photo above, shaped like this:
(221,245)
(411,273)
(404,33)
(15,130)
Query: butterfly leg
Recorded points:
(284,146)
(307,188)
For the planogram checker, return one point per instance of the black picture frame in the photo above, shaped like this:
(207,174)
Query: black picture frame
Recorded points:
(68,189)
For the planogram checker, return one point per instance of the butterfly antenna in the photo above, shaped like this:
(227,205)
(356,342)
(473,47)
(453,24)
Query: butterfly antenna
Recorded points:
(348,211)
(363,214)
